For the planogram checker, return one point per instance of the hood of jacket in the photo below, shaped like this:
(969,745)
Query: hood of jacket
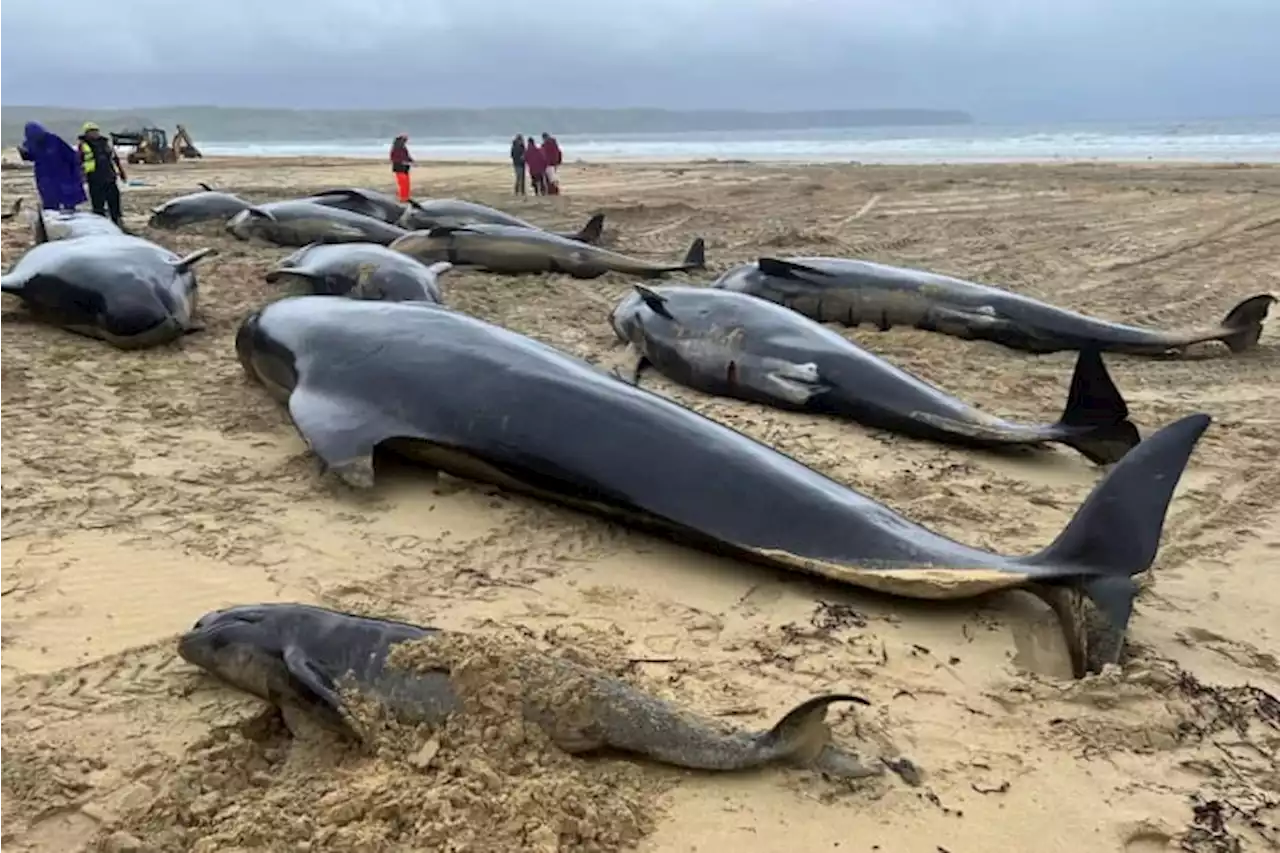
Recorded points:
(33,132)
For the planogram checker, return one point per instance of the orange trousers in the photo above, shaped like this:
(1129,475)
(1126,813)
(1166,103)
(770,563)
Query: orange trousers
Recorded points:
(402,185)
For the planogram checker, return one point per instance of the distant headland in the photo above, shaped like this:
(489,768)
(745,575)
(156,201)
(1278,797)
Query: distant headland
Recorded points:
(236,124)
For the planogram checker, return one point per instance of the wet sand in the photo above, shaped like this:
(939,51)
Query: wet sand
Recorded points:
(142,489)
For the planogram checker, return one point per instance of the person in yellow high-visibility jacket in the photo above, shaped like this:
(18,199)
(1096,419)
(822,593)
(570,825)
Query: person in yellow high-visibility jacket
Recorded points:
(101,166)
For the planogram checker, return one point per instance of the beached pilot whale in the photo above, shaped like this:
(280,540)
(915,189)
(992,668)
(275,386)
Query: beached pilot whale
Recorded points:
(300,223)
(854,292)
(303,658)
(734,345)
(452,212)
(124,290)
(515,251)
(355,375)
(361,271)
(209,205)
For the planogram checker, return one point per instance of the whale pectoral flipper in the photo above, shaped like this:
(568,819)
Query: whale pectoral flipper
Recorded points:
(342,433)
(794,382)
(312,685)
(656,301)
(184,264)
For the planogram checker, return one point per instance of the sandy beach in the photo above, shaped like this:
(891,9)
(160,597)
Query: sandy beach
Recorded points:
(141,490)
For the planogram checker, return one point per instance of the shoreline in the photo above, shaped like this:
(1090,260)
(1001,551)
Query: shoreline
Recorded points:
(254,161)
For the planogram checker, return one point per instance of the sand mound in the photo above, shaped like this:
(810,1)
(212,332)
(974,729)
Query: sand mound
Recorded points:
(484,781)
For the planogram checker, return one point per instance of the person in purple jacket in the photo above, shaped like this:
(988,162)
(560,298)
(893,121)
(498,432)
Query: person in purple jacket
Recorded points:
(59,180)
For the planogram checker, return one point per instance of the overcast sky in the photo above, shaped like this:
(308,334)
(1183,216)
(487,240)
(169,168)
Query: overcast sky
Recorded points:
(1002,60)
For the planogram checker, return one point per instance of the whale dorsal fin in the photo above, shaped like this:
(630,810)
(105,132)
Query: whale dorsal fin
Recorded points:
(446,230)
(779,268)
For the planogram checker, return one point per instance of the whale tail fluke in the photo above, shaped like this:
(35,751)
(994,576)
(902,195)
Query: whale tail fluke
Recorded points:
(1114,535)
(592,231)
(1243,324)
(1096,419)
(696,257)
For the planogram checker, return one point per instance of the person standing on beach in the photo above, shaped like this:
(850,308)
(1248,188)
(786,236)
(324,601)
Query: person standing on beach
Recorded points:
(101,167)
(401,162)
(536,160)
(517,163)
(551,148)
(56,166)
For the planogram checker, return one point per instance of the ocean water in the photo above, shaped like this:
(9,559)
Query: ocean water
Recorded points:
(1255,140)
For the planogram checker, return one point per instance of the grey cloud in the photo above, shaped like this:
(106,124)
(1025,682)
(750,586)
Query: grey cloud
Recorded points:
(1000,59)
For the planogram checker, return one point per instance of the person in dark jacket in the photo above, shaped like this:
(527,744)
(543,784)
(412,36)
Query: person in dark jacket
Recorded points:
(401,162)
(517,163)
(57,168)
(536,160)
(101,167)
(551,148)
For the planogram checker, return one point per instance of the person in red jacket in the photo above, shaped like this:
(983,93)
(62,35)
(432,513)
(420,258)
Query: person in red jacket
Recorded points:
(551,149)
(401,162)
(536,159)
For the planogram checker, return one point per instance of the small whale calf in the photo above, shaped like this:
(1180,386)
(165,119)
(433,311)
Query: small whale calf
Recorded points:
(304,658)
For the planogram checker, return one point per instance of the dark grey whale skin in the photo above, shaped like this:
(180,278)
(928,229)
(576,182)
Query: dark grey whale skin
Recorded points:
(127,291)
(297,656)
(362,271)
(357,374)
(360,200)
(525,251)
(452,212)
(734,345)
(208,205)
(853,292)
(299,223)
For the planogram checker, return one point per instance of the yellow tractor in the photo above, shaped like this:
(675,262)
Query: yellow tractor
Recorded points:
(151,145)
